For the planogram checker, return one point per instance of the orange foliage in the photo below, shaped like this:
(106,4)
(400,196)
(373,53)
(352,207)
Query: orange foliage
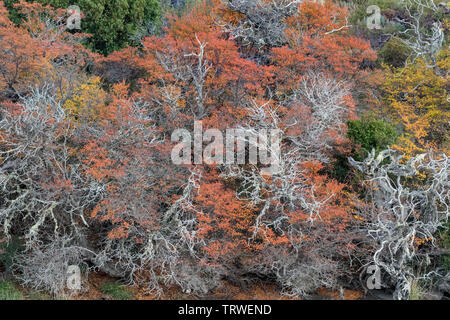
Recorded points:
(319,40)
(223,221)
(21,55)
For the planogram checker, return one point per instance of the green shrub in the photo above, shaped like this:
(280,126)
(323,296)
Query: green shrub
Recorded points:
(117,291)
(360,14)
(417,291)
(7,252)
(8,291)
(34,295)
(14,14)
(394,53)
(368,134)
(445,243)
(112,23)
(339,168)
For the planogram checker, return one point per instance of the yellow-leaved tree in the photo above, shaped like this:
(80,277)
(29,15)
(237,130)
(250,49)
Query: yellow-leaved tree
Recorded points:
(86,100)
(417,100)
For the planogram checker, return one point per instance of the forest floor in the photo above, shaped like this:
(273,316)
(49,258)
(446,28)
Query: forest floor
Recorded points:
(103,287)
(255,291)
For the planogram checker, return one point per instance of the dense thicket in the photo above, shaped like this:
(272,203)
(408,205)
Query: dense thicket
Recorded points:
(86,176)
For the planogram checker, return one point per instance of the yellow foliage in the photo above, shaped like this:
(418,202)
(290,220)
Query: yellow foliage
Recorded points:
(416,99)
(87,100)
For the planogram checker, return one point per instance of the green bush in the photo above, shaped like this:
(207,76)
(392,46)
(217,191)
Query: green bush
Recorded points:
(117,291)
(7,252)
(360,14)
(394,53)
(368,134)
(445,243)
(14,14)
(8,291)
(112,23)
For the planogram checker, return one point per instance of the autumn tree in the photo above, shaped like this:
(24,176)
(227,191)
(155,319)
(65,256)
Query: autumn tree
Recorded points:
(21,55)
(196,73)
(318,39)
(87,142)
(44,195)
(416,99)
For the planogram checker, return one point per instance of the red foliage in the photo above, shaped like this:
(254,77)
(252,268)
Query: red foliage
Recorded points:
(319,40)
